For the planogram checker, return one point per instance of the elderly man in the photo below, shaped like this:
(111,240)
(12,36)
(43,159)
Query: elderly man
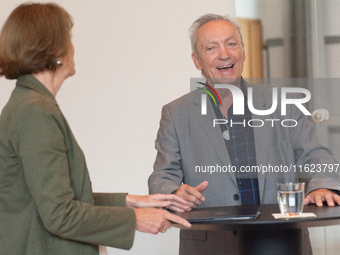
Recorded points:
(187,141)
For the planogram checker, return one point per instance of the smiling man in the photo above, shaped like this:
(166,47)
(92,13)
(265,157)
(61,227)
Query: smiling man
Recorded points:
(219,52)
(188,141)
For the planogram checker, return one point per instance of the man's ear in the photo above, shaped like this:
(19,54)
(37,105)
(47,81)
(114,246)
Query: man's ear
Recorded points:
(197,61)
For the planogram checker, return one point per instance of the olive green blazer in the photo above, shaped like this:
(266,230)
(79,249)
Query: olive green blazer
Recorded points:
(46,201)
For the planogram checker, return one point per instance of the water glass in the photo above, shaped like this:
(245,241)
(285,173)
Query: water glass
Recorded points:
(290,198)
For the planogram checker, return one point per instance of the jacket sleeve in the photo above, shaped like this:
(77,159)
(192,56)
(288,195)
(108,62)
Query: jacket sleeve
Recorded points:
(43,151)
(313,160)
(168,174)
(109,199)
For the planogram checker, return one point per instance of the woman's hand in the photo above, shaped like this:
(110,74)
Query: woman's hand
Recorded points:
(172,202)
(152,220)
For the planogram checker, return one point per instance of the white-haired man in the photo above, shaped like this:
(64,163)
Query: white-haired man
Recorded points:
(186,140)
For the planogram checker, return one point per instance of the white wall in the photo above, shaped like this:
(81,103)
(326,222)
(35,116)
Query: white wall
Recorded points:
(132,57)
(248,9)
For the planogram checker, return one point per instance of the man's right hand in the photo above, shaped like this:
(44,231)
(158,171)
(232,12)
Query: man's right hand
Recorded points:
(192,194)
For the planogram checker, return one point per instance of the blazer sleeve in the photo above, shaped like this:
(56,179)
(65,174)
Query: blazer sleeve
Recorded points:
(109,199)
(314,161)
(44,158)
(168,174)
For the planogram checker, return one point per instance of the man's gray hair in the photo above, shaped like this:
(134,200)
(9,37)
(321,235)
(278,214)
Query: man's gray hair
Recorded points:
(205,19)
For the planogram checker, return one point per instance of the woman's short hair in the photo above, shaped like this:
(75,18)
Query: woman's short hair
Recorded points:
(34,35)
(205,19)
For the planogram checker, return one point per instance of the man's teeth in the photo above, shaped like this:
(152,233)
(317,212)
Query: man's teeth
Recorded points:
(224,67)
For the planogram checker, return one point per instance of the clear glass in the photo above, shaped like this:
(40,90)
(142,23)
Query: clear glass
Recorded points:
(290,198)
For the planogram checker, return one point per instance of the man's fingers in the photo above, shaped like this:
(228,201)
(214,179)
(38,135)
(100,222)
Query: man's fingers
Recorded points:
(202,186)
(198,196)
(336,198)
(318,200)
(307,200)
(196,199)
(320,196)
(328,198)
(332,198)
(190,194)
(193,202)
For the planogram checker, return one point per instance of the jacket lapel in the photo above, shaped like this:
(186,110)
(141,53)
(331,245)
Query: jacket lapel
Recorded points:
(206,123)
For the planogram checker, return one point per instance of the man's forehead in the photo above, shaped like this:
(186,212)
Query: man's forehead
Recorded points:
(214,26)
(224,39)
(217,30)
(219,23)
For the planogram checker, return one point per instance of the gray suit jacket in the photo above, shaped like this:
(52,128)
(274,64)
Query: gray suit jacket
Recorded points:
(187,140)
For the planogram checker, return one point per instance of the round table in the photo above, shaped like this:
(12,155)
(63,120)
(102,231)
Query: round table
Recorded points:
(267,235)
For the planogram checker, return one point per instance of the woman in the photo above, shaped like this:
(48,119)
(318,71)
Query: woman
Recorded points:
(46,201)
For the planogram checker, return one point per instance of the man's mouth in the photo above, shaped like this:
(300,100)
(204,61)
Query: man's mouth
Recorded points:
(226,67)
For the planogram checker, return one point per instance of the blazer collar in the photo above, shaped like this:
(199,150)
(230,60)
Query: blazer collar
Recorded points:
(206,122)
(30,82)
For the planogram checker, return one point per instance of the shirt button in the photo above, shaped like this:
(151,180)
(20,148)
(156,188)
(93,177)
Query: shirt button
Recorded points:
(239,183)
(236,159)
(233,137)
(236,197)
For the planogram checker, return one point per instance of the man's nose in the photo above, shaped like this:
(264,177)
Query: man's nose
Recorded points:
(224,53)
